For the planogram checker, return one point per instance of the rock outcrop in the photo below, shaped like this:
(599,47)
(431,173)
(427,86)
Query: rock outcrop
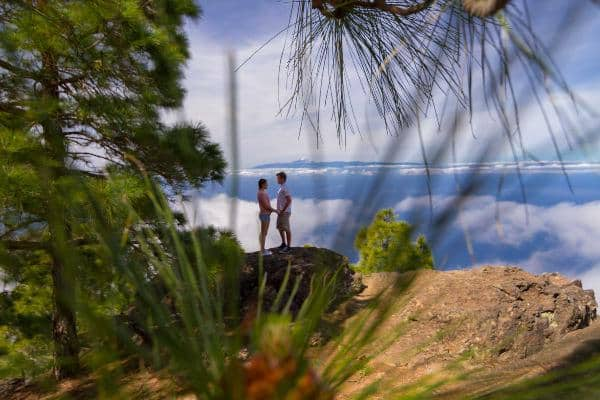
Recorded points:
(304,263)
(504,310)
(490,319)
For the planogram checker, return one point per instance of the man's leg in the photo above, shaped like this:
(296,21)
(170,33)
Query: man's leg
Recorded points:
(288,231)
(282,233)
(280,228)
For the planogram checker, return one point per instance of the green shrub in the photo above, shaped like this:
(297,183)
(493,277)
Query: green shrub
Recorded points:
(386,245)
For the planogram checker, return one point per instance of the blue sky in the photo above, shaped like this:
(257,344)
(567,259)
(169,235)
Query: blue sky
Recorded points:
(242,26)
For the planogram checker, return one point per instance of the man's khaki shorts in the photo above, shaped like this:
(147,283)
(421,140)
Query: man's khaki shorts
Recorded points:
(283,222)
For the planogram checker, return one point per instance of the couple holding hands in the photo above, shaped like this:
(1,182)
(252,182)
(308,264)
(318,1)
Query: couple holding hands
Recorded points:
(283,210)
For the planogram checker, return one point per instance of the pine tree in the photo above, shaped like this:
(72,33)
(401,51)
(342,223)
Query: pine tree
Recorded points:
(82,87)
(386,245)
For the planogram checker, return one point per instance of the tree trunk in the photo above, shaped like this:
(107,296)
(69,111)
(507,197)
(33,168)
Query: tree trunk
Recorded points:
(64,327)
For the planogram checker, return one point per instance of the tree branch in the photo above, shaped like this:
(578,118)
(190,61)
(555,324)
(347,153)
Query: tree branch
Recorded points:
(14,69)
(34,245)
(18,227)
(9,67)
(397,10)
(91,174)
(24,245)
(10,108)
(380,5)
(78,155)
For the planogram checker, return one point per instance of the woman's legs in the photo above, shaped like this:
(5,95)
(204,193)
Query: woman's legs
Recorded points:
(264,229)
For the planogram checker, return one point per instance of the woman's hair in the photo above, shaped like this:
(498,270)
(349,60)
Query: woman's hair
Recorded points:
(261,182)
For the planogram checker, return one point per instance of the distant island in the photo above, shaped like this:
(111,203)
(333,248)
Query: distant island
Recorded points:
(533,166)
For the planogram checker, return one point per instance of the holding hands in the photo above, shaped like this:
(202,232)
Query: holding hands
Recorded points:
(284,201)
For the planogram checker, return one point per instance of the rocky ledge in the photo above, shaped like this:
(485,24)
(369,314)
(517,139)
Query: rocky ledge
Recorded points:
(491,326)
(304,263)
(500,312)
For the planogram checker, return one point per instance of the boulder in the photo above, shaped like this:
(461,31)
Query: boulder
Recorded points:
(304,263)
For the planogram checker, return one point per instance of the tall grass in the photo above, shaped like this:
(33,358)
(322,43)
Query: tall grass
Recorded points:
(191,315)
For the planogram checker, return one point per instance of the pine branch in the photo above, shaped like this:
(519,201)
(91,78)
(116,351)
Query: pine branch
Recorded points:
(78,154)
(380,5)
(397,10)
(35,245)
(7,66)
(14,69)
(24,245)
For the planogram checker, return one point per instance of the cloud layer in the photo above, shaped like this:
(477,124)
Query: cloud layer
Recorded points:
(564,236)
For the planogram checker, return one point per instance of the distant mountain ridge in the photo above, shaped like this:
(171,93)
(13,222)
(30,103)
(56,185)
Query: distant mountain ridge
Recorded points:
(527,165)
(302,163)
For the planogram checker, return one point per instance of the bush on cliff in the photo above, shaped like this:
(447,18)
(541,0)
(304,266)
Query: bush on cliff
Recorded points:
(386,245)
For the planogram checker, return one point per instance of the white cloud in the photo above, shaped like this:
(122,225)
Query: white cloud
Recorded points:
(267,137)
(591,280)
(570,231)
(308,218)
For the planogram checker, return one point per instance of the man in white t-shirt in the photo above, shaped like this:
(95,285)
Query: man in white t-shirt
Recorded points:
(284,211)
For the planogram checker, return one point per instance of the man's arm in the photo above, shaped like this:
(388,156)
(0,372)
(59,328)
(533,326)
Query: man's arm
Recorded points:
(288,202)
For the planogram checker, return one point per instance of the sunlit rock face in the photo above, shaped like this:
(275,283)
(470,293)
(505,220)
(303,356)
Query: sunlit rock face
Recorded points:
(504,312)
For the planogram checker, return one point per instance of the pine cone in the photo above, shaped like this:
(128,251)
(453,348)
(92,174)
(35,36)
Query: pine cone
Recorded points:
(484,8)
(265,376)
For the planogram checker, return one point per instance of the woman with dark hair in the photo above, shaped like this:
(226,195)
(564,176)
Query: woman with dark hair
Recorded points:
(264,215)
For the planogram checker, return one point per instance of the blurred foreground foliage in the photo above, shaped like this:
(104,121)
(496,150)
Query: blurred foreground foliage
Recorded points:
(578,379)
(26,309)
(186,285)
